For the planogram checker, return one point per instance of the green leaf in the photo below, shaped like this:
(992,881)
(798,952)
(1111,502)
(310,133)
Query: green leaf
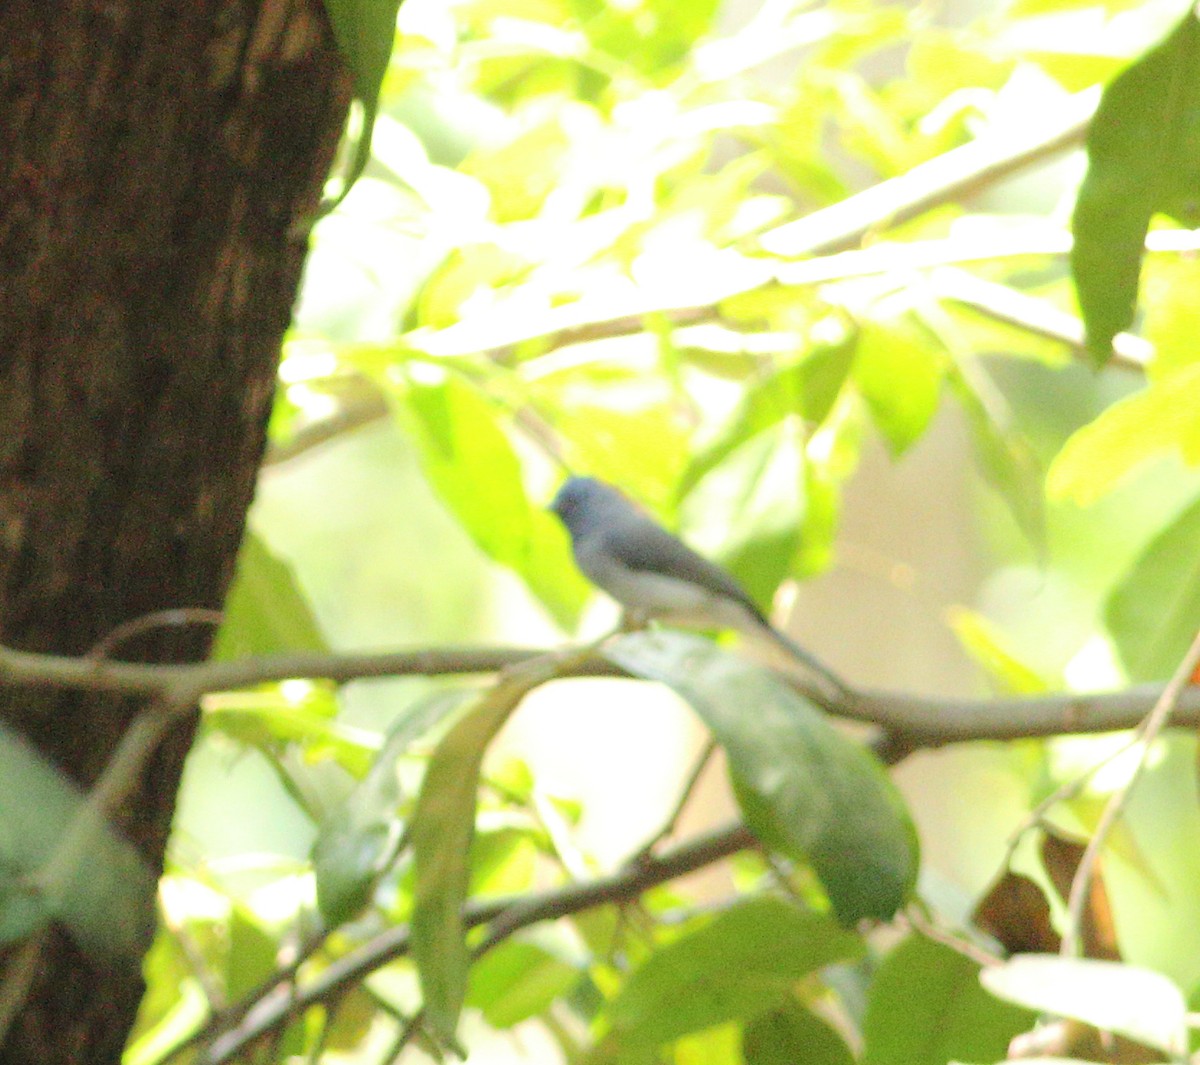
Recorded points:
(740,964)
(1004,455)
(365,31)
(519,979)
(792,1034)
(805,789)
(357,842)
(443,824)
(1137,1003)
(1143,158)
(1161,417)
(58,859)
(469,461)
(272,717)
(1153,612)
(751,509)
(253,953)
(926,1007)
(806,388)
(265,611)
(984,642)
(899,373)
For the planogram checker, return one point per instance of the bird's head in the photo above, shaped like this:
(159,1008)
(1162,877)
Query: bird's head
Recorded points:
(584,502)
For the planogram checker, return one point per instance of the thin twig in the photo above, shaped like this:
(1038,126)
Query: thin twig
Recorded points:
(214,994)
(266,1009)
(920,922)
(685,794)
(1033,315)
(157,619)
(1156,721)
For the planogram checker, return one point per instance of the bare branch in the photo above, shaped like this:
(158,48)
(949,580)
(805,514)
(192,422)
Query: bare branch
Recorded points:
(1150,729)
(917,720)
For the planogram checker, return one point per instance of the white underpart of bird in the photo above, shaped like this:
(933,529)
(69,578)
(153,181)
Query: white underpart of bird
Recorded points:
(654,574)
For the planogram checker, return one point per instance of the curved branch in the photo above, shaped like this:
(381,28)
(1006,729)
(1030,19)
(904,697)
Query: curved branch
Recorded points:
(261,1014)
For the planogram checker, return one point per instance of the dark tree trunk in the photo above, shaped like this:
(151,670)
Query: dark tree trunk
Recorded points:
(160,160)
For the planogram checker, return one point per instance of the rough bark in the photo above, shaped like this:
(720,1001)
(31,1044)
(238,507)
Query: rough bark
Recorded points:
(160,159)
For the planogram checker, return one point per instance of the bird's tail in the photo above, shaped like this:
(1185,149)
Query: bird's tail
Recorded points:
(812,663)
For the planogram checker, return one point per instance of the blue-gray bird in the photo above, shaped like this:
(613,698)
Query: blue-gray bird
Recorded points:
(654,574)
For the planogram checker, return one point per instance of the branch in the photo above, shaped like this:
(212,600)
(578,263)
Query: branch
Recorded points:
(920,720)
(1034,315)
(505,916)
(1149,729)
(950,176)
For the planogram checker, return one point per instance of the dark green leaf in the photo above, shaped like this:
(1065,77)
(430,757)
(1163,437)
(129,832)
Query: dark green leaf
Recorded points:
(265,612)
(805,789)
(1143,158)
(443,824)
(365,31)
(356,843)
(472,466)
(1154,610)
(58,859)
(740,964)
(792,1034)
(927,1007)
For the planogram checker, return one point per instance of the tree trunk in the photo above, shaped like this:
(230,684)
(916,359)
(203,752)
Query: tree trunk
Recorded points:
(161,160)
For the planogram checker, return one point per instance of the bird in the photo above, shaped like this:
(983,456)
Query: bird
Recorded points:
(652,573)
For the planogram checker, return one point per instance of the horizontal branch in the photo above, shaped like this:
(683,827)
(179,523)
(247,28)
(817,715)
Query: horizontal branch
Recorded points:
(922,720)
(506,916)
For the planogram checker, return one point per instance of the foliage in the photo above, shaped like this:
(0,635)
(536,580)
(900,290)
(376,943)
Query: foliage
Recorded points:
(630,239)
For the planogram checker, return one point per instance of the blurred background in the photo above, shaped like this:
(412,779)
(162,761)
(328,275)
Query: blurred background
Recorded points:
(560,239)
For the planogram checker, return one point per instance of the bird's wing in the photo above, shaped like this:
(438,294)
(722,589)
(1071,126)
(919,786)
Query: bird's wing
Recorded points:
(641,544)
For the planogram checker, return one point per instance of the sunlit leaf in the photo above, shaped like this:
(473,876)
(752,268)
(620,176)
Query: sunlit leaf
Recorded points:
(926,1007)
(1143,158)
(740,964)
(985,644)
(253,953)
(899,373)
(751,511)
(1099,456)
(805,789)
(270,718)
(266,611)
(469,461)
(519,979)
(1172,316)
(806,388)
(443,824)
(1153,613)
(1137,1003)
(523,172)
(356,842)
